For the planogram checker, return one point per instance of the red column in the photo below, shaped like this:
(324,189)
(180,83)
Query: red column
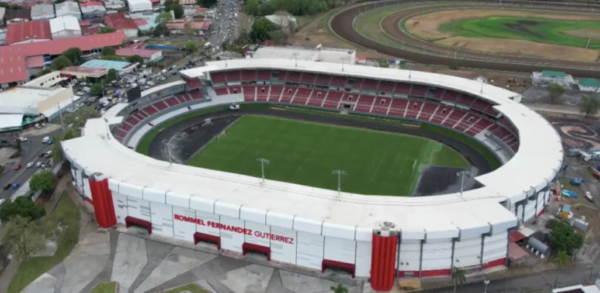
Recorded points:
(103,203)
(383,261)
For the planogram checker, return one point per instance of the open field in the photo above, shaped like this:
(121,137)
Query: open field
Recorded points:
(306,153)
(526,33)
(532,29)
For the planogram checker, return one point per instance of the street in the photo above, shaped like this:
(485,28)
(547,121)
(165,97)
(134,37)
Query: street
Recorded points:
(31,151)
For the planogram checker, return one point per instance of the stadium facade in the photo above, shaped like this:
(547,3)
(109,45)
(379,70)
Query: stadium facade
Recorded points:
(375,237)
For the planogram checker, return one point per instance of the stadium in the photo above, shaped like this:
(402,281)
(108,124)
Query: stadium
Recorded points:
(382,173)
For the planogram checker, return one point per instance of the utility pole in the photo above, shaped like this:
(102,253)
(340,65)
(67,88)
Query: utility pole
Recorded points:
(339,173)
(462,180)
(62,122)
(262,166)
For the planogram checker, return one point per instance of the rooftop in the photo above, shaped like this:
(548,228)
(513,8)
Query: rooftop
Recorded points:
(11,14)
(67,8)
(120,21)
(134,51)
(332,55)
(31,30)
(42,11)
(105,64)
(589,82)
(196,25)
(12,58)
(2,12)
(91,72)
(549,73)
(25,100)
(92,7)
(64,23)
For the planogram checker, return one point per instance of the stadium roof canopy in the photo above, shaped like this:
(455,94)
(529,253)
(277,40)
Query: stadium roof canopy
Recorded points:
(537,161)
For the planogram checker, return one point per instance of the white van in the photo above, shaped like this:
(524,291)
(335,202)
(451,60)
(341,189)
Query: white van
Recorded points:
(45,139)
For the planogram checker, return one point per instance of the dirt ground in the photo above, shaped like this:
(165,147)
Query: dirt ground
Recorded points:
(426,27)
(590,33)
(317,32)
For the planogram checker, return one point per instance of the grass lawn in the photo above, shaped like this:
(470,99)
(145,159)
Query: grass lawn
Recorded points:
(531,29)
(192,288)
(36,266)
(105,288)
(300,152)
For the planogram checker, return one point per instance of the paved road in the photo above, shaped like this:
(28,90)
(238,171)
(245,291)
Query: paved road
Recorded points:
(544,280)
(31,151)
(341,24)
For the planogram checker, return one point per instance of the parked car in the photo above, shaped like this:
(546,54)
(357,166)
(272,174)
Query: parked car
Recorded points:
(38,164)
(7,186)
(29,165)
(17,167)
(22,138)
(16,185)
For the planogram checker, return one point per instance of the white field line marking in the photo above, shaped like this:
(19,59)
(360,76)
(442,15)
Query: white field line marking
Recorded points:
(379,164)
(311,152)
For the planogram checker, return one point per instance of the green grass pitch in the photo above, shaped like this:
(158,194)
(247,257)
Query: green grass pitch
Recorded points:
(531,29)
(306,153)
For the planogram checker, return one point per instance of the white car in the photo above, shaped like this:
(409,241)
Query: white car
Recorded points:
(22,138)
(29,165)
(38,164)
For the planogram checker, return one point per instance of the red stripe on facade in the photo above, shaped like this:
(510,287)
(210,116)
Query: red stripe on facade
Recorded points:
(103,203)
(207,238)
(495,263)
(435,273)
(383,261)
(351,268)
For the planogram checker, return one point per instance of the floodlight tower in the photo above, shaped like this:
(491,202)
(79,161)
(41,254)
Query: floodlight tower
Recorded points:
(339,173)
(262,166)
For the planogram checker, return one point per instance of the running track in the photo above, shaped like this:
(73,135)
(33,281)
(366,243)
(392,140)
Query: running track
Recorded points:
(341,24)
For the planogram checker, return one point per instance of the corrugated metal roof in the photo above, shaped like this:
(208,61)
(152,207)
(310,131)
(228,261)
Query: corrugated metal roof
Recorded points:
(31,30)
(589,82)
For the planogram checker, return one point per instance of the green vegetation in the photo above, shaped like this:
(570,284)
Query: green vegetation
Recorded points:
(564,238)
(532,29)
(306,153)
(297,7)
(105,288)
(590,104)
(193,288)
(22,207)
(484,151)
(28,271)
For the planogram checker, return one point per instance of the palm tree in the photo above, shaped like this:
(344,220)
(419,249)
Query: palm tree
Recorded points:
(562,258)
(459,277)
(339,289)
(590,104)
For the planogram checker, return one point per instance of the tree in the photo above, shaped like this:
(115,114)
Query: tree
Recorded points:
(563,259)
(23,238)
(77,119)
(135,59)
(108,51)
(57,151)
(191,46)
(459,277)
(43,181)
(169,5)
(63,227)
(187,29)
(60,63)
(161,30)
(590,104)
(106,30)
(96,90)
(252,7)
(163,18)
(177,10)
(556,90)
(74,55)
(563,237)
(111,74)
(339,288)
(261,29)
(23,207)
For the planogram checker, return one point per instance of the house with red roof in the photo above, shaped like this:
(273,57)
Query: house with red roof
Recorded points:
(92,9)
(122,23)
(19,61)
(138,49)
(17,15)
(28,32)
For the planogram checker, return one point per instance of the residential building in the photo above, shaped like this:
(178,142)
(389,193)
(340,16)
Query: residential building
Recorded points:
(145,22)
(139,6)
(68,8)
(28,32)
(138,49)
(23,60)
(122,23)
(92,9)
(187,2)
(42,12)
(17,15)
(65,27)
(3,36)
(120,66)
(178,27)
(114,4)
(2,12)
(547,77)
(589,85)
